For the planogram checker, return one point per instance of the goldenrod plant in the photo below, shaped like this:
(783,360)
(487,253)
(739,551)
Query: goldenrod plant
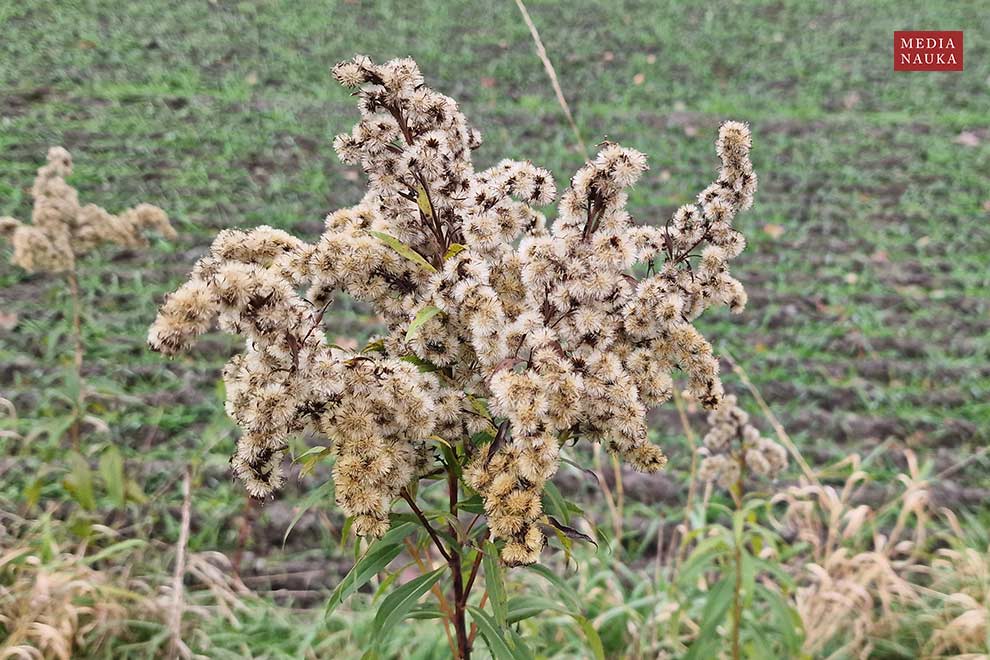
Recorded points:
(508,335)
(62,230)
(734,452)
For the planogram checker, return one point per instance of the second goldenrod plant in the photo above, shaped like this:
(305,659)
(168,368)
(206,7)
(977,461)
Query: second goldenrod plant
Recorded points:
(507,335)
(62,230)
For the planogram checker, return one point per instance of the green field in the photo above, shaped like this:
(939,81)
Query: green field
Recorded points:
(868,266)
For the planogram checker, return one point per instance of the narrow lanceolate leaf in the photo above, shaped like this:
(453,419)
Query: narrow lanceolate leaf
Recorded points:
(554,504)
(495,584)
(570,532)
(377,346)
(423,201)
(112,471)
(454,250)
(424,366)
(712,615)
(79,481)
(324,492)
(404,250)
(588,473)
(479,406)
(422,316)
(398,604)
(442,441)
(563,590)
(594,640)
(502,642)
(526,607)
(375,559)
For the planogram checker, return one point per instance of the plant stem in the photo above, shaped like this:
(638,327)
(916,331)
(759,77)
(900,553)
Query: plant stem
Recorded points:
(454,554)
(77,358)
(178,647)
(426,523)
(737,496)
(438,592)
(454,561)
(737,604)
(692,478)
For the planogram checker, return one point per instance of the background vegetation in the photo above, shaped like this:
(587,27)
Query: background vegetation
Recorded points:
(867,330)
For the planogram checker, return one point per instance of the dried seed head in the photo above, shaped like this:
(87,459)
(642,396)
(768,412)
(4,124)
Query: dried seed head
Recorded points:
(535,334)
(62,230)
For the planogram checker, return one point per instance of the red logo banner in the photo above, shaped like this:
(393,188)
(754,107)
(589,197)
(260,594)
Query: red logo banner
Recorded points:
(928,50)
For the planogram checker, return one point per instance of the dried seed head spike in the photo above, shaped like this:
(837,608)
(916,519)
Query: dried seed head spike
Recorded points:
(61,230)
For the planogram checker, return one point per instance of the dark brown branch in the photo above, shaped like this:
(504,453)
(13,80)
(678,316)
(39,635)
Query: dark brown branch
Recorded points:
(474,570)
(426,523)
(460,595)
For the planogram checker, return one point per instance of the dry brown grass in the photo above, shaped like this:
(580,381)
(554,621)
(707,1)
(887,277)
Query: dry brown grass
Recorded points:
(867,580)
(52,607)
(961,583)
(63,603)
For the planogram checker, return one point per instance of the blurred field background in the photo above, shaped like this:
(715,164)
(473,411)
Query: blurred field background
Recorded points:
(868,268)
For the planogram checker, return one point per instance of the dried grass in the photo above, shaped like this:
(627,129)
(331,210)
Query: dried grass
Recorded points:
(865,582)
(60,604)
(50,608)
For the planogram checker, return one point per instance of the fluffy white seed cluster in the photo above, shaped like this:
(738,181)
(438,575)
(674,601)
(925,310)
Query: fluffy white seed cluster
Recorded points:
(377,409)
(61,230)
(733,443)
(530,334)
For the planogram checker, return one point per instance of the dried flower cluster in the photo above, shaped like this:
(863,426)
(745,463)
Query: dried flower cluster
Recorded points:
(732,443)
(500,327)
(62,230)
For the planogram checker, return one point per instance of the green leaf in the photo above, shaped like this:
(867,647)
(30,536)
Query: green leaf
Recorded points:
(594,641)
(712,614)
(563,590)
(450,459)
(32,492)
(425,611)
(436,438)
(701,558)
(390,579)
(525,607)
(134,492)
(376,346)
(501,648)
(473,504)
(345,531)
(319,449)
(325,491)
(404,250)
(112,472)
(423,201)
(454,250)
(424,366)
(397,534)
(786,621)
(495,585)
(479,406)
(400,602)
(554,504)
(748,573)
(311,458)
(73,388)
(379,555)
(422,316)
(79,481)
(115,549)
